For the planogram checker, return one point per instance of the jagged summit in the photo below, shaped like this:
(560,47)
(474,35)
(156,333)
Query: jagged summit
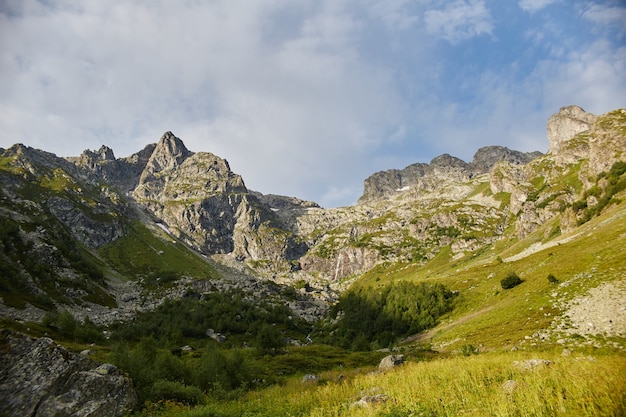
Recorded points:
(104,153)
(485,158)
(171,144)
(169,153)
(386,183)
(447,161)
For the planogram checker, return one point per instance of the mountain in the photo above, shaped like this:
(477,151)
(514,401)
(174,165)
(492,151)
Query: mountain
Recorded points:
(387,183)
(109,239)
(65,216)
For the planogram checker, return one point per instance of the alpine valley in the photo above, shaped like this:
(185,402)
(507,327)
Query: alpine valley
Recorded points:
(160,285)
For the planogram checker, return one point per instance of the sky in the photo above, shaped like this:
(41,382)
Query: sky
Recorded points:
(305,98)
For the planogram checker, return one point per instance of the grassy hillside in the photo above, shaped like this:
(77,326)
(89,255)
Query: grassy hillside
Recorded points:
(149,254)
(498,352)
(487,315)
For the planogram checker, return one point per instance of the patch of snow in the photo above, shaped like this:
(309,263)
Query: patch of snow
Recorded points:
(405,188)
(164,227)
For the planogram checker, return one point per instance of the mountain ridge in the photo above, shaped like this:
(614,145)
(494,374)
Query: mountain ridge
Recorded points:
(407,215)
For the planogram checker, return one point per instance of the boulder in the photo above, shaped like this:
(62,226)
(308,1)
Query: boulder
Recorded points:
(509,386)
(532,363)
(310,378)
(368,400)
(391,361)
(218,337)
(40,378)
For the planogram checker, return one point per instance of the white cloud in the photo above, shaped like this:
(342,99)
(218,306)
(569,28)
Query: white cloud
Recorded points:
(591,77)
(460,20)
(513,111)
(607,18)
(532,6)
(287,112)
(303,98)
(394,13)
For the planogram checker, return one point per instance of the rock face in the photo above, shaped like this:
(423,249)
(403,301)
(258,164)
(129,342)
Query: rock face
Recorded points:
(123,173)
(39,378)
(425,176)
(387,183)
(581,144)
(384,183)
(88,229)
(486,158)
(567,123)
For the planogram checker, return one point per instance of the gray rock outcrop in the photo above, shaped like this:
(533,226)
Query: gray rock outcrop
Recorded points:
(565,124)
(487,157)
(39,378)
(390,361)
(426,177)
(123,173)
(384,183)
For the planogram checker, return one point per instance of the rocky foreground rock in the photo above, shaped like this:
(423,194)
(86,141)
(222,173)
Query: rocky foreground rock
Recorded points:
(39,378)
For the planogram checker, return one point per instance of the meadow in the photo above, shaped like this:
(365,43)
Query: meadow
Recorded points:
(489,384)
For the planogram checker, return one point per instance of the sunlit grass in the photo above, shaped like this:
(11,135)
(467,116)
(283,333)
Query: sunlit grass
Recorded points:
(495,384)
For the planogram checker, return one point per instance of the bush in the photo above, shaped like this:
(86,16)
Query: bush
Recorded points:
(552,279)
(173,390)
(221,371)
(511,280)
(468,350)
(67,327)
(269,340)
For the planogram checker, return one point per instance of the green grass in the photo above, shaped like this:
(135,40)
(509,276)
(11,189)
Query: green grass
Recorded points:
(524,309)
(487,316)
(458,386)
(141,254)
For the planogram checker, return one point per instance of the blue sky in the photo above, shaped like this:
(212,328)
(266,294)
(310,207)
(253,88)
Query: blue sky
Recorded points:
(305,98)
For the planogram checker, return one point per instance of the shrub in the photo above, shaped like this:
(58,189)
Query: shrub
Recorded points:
(221,371)
(173,390)
(270,340)
(468,350)
(552,279)
(510,281)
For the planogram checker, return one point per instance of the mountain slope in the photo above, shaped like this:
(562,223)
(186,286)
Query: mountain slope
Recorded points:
(100,231)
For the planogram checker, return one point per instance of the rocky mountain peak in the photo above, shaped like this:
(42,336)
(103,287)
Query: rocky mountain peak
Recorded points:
(169,152)
(390,182)
(105,153)
(34,160)
(92,159)
(486,158)
(567,123)
(385,183)
(447,161)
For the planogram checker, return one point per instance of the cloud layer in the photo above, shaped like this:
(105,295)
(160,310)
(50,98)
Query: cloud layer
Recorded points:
(304,98)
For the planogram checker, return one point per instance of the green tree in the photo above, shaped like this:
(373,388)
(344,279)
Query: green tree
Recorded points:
(270,340)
